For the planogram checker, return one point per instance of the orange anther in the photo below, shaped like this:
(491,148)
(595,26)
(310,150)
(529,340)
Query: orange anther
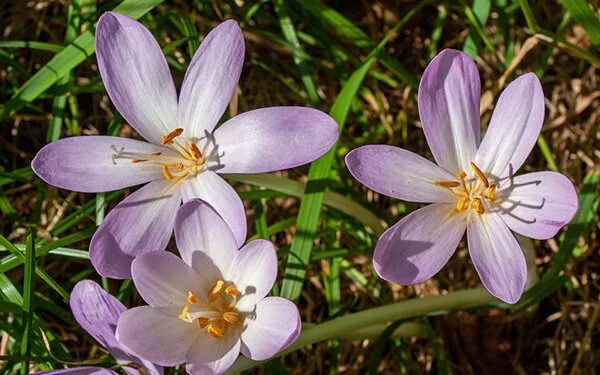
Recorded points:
(214,331)
(184,314)
(478,206)
(215,291)
(167,173)
(179,166)
(168,139)
(191,298)
(447,184)
(231,290)
(139,160)
(461,175)
(480,175)
(491,194)
(156,153)
(231,317)
(462,204)
(203,322)
(195,151)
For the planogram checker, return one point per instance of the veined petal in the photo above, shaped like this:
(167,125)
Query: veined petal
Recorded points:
(209,355)
(163,279)
(497,257)
(514,127)
(79,371)
(141,223)
(204,239)
(419,245)
(86,164)
(273,327)
(157,334)
(398,173)
(271,139)
(537,204)
(211,79)
(136,75)
(449,109)
(253,272)
(215,191)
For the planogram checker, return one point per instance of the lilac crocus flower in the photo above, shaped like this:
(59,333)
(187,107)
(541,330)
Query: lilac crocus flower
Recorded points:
(183,154)
(97,312)
(209,306)
(473,187)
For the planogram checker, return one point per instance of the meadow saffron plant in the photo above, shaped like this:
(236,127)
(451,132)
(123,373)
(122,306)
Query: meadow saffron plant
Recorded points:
(184,154)
(97,312)
(210,305)
(473,187)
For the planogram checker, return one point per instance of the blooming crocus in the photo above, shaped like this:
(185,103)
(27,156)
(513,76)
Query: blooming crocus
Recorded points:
(209,306)
(183,153)
(97,312)
(473,187)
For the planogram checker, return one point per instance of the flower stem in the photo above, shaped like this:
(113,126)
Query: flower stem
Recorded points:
(338,327)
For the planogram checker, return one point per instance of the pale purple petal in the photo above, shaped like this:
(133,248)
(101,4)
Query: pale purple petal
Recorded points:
(141,223)
(79,371)
(157,334)
(204,239)
(398,173)
(419,245)
(163,279)
(210,187)
(211,79)
(253,272)
(538,204)
(514,127)
(271,139)
(497,257)
(274,326)
(449,109)
(136,75)
(211,355)
(86,164)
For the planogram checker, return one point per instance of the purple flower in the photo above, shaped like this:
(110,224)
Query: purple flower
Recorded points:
(210,306)
(97,312)
(472,187)
(184,153)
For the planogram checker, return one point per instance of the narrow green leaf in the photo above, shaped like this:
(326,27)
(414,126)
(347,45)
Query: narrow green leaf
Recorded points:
(27,306)
(529,17)
(586,16)
(481,11)
(42,46)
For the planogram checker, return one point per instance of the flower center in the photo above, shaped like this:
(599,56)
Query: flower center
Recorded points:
(217,313)
(476,194)
(175,168)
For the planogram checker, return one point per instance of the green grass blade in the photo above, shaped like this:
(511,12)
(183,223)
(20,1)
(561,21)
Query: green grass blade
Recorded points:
(481,11)
(529,17)
(586,17)
(42,46)
(27,306)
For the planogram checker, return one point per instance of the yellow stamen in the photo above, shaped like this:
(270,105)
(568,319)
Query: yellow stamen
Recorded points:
(191,298)
(215,291)
(168,139)
(461,175)
(183,316)
(231,290)
(231,317)
(214,331)
(166,173)
(491,194)
(478,206)
(179,166)
(447,184)
(461,205)
(480,175)
(195,151)
(139,160)
(203,322)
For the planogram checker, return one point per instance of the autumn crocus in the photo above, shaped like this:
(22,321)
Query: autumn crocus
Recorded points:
(209,306)
(97,312)
(184,153)
(473,187)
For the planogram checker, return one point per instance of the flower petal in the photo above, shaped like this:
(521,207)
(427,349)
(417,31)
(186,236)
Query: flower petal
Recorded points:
(215,191)
(271,139)
(79,371)
(204,239)
(398,173)
(141,223)
(211,79)
(136,75)
(275,326)
(86,164)
(514,127)
(157,334)
(209,355)
(537,204)
(163,279)
(449,109)
(253,272)
(419,245)
(497,257)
